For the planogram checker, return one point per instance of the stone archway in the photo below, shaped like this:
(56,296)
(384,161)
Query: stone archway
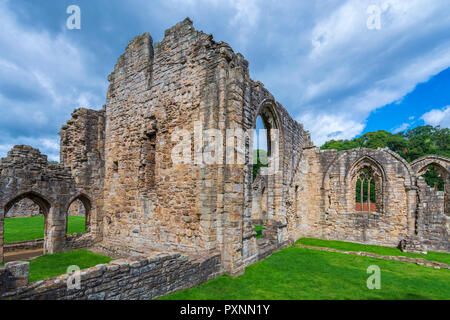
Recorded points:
(84,208)
(33,246)
(26,173)
(433,208)
(372,171)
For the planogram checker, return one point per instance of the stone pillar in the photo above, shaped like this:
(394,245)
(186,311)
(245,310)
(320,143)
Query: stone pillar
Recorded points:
(234,184)
(17,274)
(55,230)
(411,194)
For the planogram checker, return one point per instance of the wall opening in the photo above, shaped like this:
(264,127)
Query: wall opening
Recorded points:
(25,227)
(148,161)
(365,191)
(261,146)
(78,216)
(434,177)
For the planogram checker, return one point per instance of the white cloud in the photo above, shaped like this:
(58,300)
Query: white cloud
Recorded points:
(328,126)
(346,71)
(43,77)
(318,58)
(401,128)
(438,117)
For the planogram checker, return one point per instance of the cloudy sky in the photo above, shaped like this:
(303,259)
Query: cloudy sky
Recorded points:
(337,68)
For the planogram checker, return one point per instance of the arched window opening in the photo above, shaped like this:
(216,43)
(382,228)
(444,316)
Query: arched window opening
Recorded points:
(78,216)
(365,191)
(25,222)
(260,146)
(434,178)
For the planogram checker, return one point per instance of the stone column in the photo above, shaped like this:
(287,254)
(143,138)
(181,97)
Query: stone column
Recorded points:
(234,183)
(17,274)
(55,230)
(411,194)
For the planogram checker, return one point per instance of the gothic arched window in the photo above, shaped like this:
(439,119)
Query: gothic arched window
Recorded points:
(366,191)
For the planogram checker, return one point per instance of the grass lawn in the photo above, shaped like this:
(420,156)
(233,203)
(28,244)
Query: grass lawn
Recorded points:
(32,228)
(299,273)
(52,265)
(258,230)
(385,251)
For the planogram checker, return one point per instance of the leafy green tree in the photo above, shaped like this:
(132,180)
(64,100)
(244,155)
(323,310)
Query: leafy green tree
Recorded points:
(261,161)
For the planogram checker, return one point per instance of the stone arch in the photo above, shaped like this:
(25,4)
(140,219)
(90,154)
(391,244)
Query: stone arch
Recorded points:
(44,205)
(37,198)
(87,203)
(268,110)
(433,221)
(420,165)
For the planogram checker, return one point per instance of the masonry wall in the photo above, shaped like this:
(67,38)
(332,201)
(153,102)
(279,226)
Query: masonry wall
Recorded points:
(137,279)
(305,216)
(26,173)
(329,179)
(432,220)
(187,82)
(82,153)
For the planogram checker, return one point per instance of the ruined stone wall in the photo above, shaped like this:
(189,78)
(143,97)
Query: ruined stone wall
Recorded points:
(187,82)
(329,178)
(407,211)
(23,209)
(143,278)
(82,152)
(119,162)
(26,173)
(306,197)
(432,226)
(149,202)
(432,221)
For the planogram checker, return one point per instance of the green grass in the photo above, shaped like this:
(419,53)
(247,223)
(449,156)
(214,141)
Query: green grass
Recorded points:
(299,273)
(52,265)
(258,230)
(76,225)
(32,228)
(385,251)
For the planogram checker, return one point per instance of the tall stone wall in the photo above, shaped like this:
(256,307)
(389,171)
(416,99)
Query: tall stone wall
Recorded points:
(82,153)
(432,221)
(187,82)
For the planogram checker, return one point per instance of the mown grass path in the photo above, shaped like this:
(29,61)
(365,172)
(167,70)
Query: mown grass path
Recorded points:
(383,251)
(305,274)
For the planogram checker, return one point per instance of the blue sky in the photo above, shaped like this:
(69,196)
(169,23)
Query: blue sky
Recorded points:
(320,60)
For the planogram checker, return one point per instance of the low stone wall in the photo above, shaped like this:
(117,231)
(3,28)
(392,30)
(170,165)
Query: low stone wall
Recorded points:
(14,275)
(79,241)
(132,279)
(24,245)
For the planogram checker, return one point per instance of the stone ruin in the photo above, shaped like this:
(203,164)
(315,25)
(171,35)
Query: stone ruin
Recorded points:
(118,163)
